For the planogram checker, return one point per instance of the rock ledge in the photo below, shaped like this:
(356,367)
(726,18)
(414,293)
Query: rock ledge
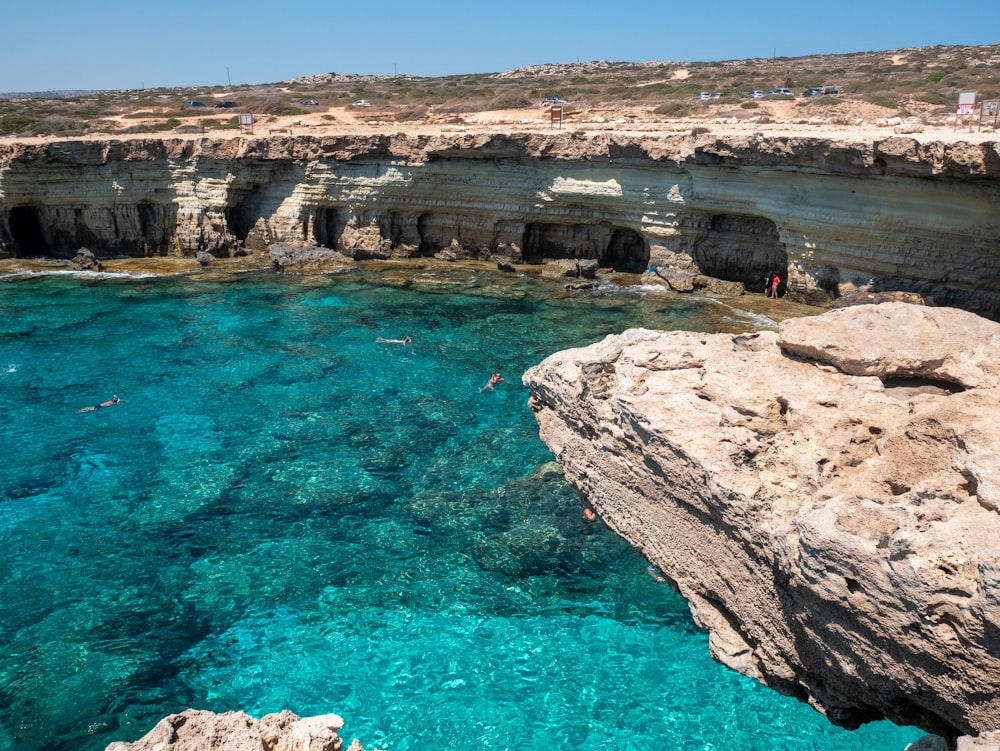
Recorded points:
(825,497)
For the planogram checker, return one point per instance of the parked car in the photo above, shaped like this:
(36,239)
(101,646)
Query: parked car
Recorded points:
(780,92)
(194,103)
(813,92)
(361,103)
(310,103)
(831,90)
(225,104)
(553,100)
(755,94)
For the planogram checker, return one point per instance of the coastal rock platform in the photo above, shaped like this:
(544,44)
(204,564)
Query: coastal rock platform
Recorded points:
(826,497)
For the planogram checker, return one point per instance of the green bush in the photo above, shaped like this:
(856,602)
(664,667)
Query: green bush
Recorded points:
(881,100)
(14,124)
(408,115)
(509,101)
(674,109)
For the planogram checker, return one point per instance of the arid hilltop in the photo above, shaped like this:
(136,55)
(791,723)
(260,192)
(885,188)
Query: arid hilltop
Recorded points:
(917,86)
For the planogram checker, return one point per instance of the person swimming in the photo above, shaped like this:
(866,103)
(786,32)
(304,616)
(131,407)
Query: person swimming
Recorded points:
(404,341)
(109,403)
(495,378)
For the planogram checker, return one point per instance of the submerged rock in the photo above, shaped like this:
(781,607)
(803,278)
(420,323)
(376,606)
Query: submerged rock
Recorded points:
(825,497)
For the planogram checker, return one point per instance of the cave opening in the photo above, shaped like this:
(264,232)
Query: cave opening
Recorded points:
(26,230)
(427,245)
(627,252)
(328,226)
(242,217)
(740,248)
(612,247)
(543,241)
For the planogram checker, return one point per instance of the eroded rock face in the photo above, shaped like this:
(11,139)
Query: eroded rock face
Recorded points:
(825,497)
(197,730)
(830,217)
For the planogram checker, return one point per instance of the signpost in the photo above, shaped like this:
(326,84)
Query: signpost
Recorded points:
(966,106)
(556,115)
(989,109)
(246,124)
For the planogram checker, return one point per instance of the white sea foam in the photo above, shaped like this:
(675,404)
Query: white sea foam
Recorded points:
(70,272)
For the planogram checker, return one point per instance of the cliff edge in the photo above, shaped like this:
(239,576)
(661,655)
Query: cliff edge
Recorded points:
(826,498)
(830,216)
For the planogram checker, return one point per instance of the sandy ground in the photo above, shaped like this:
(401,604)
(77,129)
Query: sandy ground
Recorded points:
(855,121)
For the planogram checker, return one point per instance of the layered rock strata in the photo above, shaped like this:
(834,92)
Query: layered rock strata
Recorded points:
(830,217)
(826,498)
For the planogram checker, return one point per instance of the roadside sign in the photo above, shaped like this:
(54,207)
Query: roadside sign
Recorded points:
(966,102)
(556,115)
(246,123)
(988,110)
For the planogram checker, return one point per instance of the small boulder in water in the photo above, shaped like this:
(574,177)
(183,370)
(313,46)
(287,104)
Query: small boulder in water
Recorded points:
(85,260)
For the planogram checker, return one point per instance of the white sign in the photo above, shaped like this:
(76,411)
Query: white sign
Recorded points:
(966,102)
(246,119)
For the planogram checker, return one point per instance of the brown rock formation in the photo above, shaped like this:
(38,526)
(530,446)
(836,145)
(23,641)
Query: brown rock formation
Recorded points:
(196,730)
(831,217)
(826,498)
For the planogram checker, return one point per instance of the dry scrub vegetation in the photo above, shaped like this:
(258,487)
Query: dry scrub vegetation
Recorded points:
(920,82)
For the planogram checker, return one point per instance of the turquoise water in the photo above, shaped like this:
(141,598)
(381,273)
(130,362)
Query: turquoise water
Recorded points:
(284,514)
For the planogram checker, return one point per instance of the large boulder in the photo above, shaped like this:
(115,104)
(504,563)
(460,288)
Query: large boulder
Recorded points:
(85,260)
(826,498)
(197,730)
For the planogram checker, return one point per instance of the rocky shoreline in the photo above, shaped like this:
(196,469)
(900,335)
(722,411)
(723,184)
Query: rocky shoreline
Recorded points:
(831,217)
(824,497)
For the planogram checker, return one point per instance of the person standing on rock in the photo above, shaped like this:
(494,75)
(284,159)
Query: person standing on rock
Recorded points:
(775,281)
(767,283)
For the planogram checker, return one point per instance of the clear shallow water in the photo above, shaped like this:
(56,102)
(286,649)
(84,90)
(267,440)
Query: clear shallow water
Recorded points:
(283,514)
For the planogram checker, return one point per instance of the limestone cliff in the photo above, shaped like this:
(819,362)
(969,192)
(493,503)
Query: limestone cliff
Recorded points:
(829,217)
(825,497)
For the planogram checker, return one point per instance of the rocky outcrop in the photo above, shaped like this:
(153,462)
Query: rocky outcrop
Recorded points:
(85,260)
(830,217)
(826,497)
(299,259)
(196,730)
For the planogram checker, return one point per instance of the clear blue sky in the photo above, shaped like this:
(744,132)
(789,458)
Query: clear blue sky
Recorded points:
(114,44)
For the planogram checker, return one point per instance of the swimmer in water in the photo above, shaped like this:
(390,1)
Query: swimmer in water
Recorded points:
(495,378)
(404,341)
(109,403)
